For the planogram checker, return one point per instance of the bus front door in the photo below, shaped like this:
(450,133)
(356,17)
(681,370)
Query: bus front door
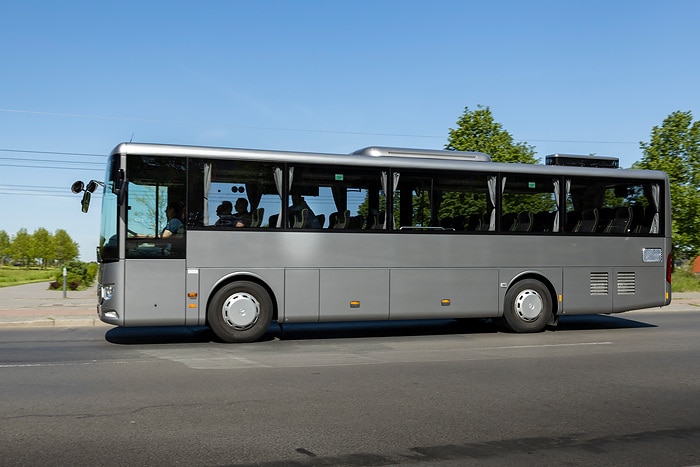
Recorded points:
(156,292)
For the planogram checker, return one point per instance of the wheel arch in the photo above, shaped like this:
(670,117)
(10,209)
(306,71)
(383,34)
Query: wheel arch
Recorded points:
(238,277)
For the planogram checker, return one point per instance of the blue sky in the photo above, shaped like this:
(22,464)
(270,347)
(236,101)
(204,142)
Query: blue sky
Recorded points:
(78,77)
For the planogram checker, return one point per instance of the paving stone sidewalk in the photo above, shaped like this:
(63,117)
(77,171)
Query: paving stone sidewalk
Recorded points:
(36,305)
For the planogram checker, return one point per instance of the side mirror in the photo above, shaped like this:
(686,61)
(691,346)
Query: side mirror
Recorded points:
(77,187)
(85,202)
(91,186)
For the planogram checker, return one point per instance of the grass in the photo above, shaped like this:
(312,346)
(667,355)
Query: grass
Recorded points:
(17,276)
(685,281)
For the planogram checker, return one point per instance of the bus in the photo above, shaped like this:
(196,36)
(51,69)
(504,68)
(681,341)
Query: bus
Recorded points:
(380,234)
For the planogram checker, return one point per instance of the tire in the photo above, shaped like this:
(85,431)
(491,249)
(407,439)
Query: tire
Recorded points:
(527,307)
(240,312)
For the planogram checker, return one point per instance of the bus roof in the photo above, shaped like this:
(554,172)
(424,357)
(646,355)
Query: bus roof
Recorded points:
(380,156)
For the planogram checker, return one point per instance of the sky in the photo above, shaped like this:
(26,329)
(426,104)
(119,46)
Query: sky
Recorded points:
(79,77)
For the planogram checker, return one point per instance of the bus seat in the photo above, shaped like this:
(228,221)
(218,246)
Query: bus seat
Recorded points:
(543,221)
(301,219)
(379,222)
(508,221)
(356,222)
(637,218)
(321,218)
(606,216)
(447,223)
(343,220)
(621,221)
(523,223)
(588,222)
(332,219)
(572,220)
(473,223)
(272,221)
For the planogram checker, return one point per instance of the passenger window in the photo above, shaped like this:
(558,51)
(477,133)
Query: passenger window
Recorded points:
(229,194)
(529,204)
(445,202)
(613,207)
(335,198)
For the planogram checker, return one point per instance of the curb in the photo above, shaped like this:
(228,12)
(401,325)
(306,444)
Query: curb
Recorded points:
(54,323)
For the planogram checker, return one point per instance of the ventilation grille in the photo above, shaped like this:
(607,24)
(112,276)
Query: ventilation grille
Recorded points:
(626,282)
(599,283)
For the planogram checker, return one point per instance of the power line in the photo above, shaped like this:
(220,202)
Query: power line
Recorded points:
(39,190)
(24,166)
(47,160)
(296,130)
(87,154)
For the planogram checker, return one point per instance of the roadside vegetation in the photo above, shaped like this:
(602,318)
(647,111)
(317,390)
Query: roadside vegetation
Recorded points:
(79,276)
(685,281)
(10,275)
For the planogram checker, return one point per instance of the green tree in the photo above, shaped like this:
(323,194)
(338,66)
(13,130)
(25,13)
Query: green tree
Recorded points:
(64,247)
(4,247)
(43,246)
(23,247)
(478,131)
(674,147)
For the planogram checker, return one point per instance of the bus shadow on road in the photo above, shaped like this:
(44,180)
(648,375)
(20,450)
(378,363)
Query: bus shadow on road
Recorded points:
(343,330)
(303,331)
(591,322)
(159,335)
(358,329)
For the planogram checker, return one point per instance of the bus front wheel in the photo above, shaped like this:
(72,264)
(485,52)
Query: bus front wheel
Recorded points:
(240,312)
(528,306)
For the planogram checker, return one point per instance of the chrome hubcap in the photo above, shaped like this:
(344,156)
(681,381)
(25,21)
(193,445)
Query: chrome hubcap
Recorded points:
(241,311)
(528,305)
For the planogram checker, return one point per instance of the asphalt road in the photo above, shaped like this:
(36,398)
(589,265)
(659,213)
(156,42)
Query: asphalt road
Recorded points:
(603,390)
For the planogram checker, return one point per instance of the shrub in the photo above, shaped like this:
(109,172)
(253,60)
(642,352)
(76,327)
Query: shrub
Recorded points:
(78,275)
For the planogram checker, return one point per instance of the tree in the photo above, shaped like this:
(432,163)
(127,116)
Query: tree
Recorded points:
(23,247)
(477,131)
(674,147)
(4,247)
(65,248)
(43,246)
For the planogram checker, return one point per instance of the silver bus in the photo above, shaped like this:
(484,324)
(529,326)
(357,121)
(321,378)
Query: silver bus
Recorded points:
(235,239)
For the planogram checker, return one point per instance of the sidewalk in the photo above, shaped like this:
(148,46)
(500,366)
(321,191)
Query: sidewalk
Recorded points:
(36,305)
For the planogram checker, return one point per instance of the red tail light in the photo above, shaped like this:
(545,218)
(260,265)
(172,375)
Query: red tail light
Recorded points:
(669,267)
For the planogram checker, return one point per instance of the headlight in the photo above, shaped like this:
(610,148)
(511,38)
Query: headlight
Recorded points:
(106,292)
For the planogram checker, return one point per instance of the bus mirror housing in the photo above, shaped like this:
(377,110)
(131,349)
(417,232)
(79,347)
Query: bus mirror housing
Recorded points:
(77,187)
(85,202)
(91,186)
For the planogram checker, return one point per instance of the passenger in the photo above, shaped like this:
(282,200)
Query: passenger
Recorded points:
(174,225)
(224,211)
(242,217)
(296,209)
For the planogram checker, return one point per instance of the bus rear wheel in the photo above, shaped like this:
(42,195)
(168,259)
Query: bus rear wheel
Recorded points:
(240,312)
(528,307)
